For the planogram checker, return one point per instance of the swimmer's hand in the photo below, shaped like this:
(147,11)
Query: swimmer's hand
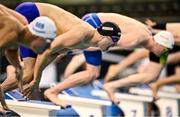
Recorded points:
(30,88)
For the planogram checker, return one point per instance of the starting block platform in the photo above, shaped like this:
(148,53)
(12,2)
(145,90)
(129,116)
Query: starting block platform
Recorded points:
(86,107)
(131,105)
(168,102)
(30,108)
(80,105)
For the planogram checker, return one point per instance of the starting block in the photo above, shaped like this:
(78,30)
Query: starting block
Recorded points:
(168,102)
(30,108)
(81,106)
(79,98)
(132,105)
(85,106)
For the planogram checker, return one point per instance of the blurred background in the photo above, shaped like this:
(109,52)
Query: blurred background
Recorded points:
(168,10)
(157,10)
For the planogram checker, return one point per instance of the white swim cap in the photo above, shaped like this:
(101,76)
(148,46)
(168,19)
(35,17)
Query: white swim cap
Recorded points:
(164,38)
(43,27)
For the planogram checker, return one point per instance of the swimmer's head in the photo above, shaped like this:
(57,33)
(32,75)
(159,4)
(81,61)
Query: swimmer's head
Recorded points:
(164,42)
(165,39)
(44,28)
(109,31)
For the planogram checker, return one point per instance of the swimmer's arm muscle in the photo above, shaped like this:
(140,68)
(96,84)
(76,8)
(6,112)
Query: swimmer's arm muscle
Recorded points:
(8,36)
(13,57)
(72,39)
(42,61)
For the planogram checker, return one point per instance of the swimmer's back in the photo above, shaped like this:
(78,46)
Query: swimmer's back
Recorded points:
(124,22)
(64,20)
(8,13)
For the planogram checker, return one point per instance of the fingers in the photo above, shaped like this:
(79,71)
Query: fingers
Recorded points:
(20,86)
(25,87)
(29,95)
(27,92)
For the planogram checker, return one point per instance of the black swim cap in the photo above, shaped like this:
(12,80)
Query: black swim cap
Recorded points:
(110,29)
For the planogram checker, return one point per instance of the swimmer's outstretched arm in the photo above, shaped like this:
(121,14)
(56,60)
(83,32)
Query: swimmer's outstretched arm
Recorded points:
(73,39)
(68,40)
(42,61)
(13,57)
(45,58)
(8,32)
